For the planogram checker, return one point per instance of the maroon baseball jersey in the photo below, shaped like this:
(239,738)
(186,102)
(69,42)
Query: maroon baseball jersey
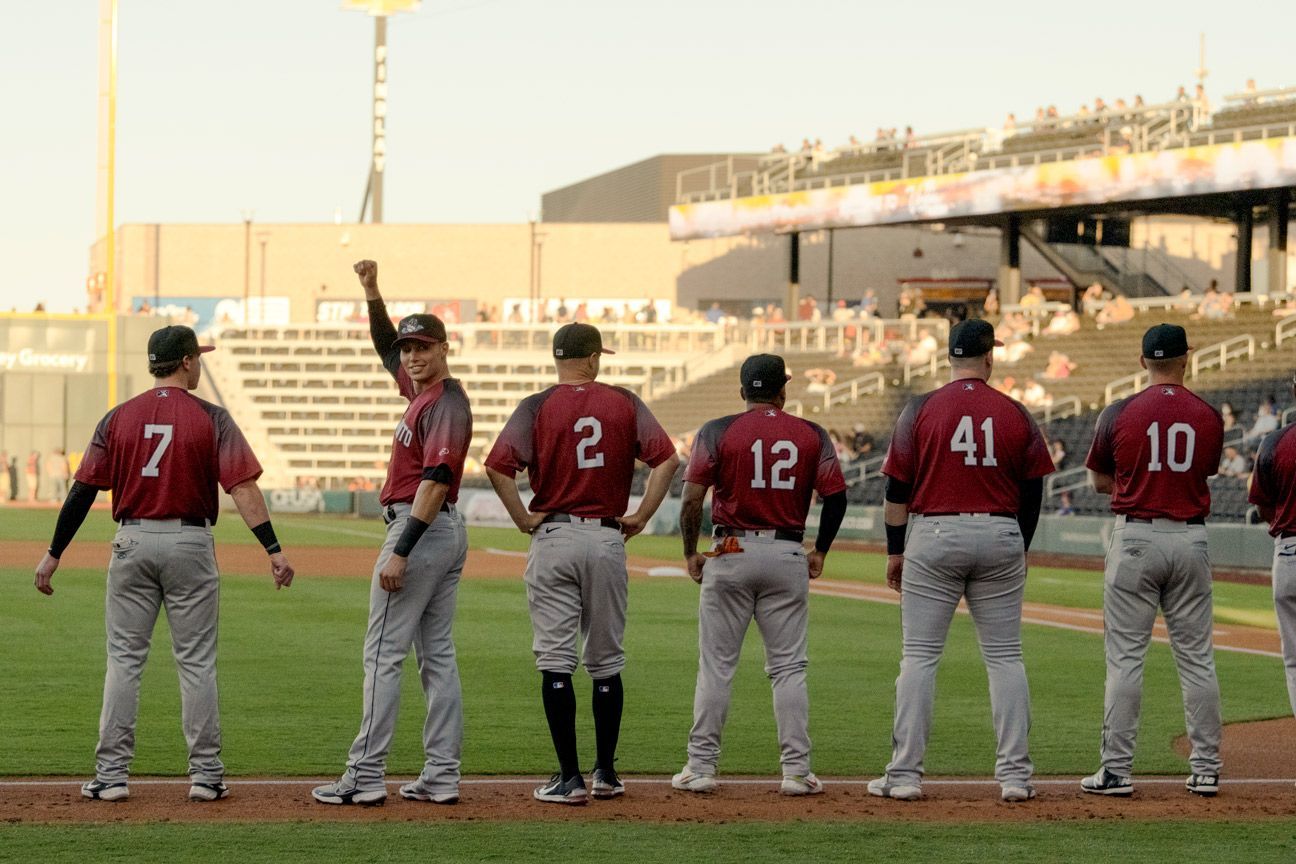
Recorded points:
(966,448)
(579,443)
(1159,446)
(1273,482)
(764,464)
(435,430)
(162,454)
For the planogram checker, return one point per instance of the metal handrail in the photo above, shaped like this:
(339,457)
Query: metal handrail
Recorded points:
(1125,386)
(921,370)
(1066,481)
(837,393)
(1070,406)
(1287,415)
(1284,330)
(1220,353)
(859,470)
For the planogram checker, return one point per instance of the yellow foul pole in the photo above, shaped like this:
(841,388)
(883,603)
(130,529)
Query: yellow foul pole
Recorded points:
(110,285)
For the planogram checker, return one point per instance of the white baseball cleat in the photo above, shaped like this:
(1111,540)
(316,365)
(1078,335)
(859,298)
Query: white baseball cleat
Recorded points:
(1013,792)
(346,792)
(420,791)
(208,791)
(689,781)
(98,790)
(803,784)
(884,788)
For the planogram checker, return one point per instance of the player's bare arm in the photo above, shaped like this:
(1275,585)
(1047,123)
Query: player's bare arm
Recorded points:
(427,503)
(690,524)
(368,272)
(251,506)
(658,485)
(506,489)
(1101,483)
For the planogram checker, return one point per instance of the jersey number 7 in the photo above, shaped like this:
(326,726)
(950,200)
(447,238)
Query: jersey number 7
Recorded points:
(164,431)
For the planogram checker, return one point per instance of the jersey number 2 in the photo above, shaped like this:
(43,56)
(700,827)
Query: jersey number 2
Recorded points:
(965,442)
(583,457)
(777,480)
(164,432)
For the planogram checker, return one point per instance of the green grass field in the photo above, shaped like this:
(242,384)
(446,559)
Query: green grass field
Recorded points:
(290,675)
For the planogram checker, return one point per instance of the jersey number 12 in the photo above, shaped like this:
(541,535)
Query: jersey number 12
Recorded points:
(777,479)
(964,441)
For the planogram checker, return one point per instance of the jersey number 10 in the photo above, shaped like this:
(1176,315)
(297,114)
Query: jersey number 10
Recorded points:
(777,479)
(964,441)
(1175,460)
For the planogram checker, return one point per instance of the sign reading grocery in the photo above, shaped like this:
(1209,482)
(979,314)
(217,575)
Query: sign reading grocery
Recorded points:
(28,359)
(1250,165)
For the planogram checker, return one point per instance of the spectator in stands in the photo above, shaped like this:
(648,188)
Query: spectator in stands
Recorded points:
(1138,101)
(1058,453)
(58,471)
(1092,299)
(562,315)
(1099,105)
(1034,298)
(1181,95)
(6,493)
(909,137)
(807,309)
(1266,420)
(868,303)
(1065,507)
(861,442)
(991,305)
(1249,92)
(1010,125)
(1117,311)
(33,474)
(778,148)
(1059,366)
(844,455)
(923,350)
(1230,419)
(1215,305)
(841,312)
(715,314)
(1063,323)
(1203,103)
(516,316)
(1035,396)
(608,316)
(1234,464)
(581,313)
(1282,310)
(1008,387)
(820,380)
(12,465)
(1185,303)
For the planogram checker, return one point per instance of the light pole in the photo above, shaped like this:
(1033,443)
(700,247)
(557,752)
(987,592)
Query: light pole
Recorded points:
(380,10)
(247,263)
(263,237)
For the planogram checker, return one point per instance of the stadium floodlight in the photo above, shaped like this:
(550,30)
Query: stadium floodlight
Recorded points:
(380,10)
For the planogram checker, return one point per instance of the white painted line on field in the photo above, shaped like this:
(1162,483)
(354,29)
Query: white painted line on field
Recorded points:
(652,781)
(338,529)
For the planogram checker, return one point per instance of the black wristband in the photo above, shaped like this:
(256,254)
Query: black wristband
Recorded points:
(414,528)
(895,535)
(265,534)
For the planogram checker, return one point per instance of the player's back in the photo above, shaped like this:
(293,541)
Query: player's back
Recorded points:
(1159,446)
(966,447)
(764,464)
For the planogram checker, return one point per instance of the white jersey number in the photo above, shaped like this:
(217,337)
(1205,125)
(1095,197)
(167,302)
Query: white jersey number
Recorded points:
(964,441)
(777,480)
(1172,447)
(164,432)
(583,457)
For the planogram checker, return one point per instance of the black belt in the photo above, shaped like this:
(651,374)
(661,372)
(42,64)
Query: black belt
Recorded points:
(188,523)
(966,513)
(606,521)
(779,533)
(1196,520)
(1285,534)
(389,514)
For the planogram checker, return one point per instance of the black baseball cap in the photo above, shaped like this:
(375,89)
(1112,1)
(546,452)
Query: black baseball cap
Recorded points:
(763,375)
(420,327)
(1165,341)
(175,343)
(576,340)
(972,338)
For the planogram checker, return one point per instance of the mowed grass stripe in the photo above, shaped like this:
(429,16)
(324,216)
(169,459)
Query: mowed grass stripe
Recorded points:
(291,677)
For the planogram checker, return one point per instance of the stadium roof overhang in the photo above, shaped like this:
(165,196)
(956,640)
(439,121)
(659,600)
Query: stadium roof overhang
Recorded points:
(1211,181)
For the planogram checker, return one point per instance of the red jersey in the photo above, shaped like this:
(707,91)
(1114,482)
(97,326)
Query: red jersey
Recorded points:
(579,443)
(435,430)
(764,463)
(162,454)
(1273,482)
(1159,446)
(966,448)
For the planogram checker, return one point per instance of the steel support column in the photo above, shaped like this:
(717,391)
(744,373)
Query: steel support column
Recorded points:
(1010,261)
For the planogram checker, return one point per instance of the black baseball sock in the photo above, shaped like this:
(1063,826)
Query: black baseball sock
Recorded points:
(560,711)
(608,701)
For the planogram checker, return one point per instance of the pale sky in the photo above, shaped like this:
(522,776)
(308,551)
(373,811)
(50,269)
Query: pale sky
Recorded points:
(265,104)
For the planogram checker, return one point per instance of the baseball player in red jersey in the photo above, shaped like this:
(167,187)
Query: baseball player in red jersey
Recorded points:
(578,442)
(1273,491)
(416,578)
(968,463)
(1153,453)
(162,455)
(765,466)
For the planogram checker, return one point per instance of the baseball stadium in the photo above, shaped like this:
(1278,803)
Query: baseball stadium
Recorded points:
(375,420)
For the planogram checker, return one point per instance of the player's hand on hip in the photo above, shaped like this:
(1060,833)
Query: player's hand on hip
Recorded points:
(281,570)
(392,575)
(368,272)
(816,559)
(895,567)
(45,572)
(632,524)
(695,564)
(532,522)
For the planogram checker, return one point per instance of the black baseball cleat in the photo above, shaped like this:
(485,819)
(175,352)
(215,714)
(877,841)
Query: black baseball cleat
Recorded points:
(604,783)
(1202,784)
(1107,783)
(560,791)
(343,792)
(97,790)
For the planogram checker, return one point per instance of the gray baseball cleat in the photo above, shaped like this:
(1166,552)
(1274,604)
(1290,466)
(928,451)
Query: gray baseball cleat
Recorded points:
(803,784)
(345,791)
(1106,783)
(560,791)
(605,783)
(691,781)
(1013,792)
(884,788)
(420,791)
(208,791)
(98,790)
(1202,784)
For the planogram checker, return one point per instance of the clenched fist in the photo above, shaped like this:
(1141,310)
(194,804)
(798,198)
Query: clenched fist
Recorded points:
(368,272)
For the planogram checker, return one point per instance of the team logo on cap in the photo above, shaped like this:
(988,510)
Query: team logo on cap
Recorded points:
(958,352)
(410,327)
(558,352)
(1158,353)
(757,383)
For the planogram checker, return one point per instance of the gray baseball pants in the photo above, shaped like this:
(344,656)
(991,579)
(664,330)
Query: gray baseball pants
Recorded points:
(949,558)
(1163,564)
(1284,592)
(421,614)
(768,581)
(577,587)
(154,564)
